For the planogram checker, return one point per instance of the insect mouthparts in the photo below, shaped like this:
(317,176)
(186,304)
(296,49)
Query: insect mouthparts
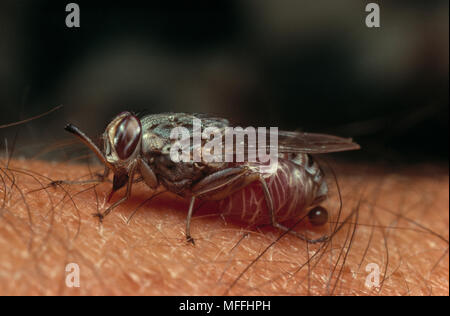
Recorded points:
(70,128)
(88,142)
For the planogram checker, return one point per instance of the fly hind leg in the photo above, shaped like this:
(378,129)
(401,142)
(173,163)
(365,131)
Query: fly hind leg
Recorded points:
(269,203)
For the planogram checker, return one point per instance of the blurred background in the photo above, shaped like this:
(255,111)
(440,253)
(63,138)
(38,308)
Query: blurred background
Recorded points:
(309,65)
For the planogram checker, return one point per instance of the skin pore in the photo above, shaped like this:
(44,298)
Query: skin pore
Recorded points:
(394,221)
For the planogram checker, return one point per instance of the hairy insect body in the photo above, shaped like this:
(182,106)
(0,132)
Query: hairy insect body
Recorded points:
(142,147)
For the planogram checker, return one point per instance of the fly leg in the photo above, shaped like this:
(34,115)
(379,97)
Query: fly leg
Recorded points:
(274,221)
(123,199)
(188,221)
(213,182)
(104,176)
(100,179)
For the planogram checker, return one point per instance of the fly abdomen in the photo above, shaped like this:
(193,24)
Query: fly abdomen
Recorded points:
(291,187)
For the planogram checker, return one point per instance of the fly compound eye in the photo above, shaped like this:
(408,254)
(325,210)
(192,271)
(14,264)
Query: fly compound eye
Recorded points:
(107,147)
(127,136)
(318,216)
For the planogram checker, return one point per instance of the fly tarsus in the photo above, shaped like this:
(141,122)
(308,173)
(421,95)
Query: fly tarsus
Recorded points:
(189,239)
(99,215)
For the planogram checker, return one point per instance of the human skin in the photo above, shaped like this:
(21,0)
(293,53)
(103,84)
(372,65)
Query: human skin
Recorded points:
(396,218)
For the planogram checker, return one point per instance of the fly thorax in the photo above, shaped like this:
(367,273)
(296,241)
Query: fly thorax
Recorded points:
(151,142)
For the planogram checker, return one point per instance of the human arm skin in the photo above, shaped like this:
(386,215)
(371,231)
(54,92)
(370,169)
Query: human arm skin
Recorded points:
(400,223)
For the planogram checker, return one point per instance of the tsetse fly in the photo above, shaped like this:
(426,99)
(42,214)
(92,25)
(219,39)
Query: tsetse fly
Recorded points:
(141,146)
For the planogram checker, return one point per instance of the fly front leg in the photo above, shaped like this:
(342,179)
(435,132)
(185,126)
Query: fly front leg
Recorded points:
(269,203)
(123,199)
(214,182)
(100,179)
(104,176)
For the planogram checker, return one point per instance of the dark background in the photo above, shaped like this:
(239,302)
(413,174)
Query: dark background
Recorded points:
(312,65)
